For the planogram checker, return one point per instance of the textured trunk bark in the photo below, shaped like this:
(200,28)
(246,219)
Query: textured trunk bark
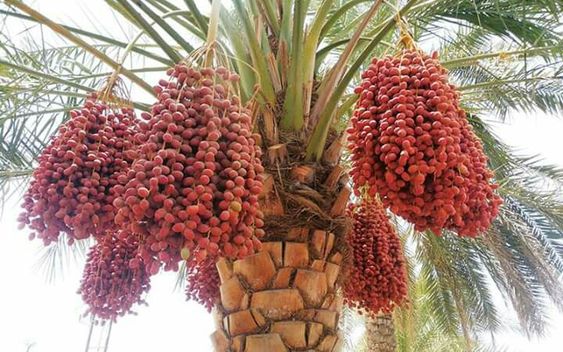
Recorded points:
(380,334)
(283,298)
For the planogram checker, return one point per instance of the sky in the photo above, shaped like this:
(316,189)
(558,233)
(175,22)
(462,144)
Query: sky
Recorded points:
(45,315)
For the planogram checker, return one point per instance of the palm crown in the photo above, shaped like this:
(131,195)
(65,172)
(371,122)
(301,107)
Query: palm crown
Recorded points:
(298,61)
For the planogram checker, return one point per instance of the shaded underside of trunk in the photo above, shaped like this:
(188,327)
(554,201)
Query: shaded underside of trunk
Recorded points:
(380,334)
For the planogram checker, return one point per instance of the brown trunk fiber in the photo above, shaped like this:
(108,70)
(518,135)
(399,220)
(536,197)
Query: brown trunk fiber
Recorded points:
(380,334)
(283,298)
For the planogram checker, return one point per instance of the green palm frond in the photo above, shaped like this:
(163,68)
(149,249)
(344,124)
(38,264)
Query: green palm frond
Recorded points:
(462,42)
(351,324)
(512,88)
(530,22)
(528,184)
(452,264)
(521,261)
(130,13)
(529,81)
(33,105)
(100,38)
(55,258)
(181,277)
(423,324)
(504,78)
(520,270)
(12,187)
(530,171)
(184,18)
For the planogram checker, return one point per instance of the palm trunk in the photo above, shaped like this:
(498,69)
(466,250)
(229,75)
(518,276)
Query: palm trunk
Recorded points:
(284,298)
(380,334)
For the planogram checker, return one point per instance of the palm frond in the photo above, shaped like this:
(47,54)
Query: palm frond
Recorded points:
(453,264)
(529,81)
(32,106)
(530,22)
(180,283)
(352,326)
(54,258)
(101,39)
(505,89)
(419,325)
(517,265)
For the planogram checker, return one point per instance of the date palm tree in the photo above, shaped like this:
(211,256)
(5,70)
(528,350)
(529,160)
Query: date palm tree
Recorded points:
(298,61)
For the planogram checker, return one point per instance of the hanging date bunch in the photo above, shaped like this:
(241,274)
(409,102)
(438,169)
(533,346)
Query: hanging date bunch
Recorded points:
(203,282)
(114,278)
(195,186)
(412,144)
(70,192)
(377,281)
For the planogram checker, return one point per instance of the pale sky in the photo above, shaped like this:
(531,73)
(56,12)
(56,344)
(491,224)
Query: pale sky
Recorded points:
(48,313)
